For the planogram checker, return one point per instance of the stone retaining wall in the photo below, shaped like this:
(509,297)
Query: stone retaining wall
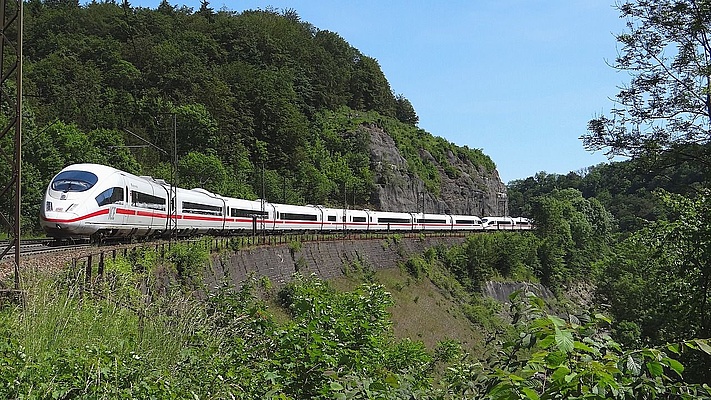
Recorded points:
(325,259)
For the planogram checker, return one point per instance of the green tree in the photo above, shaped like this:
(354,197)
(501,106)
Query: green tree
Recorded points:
(658,281)
(556,358)
(404,111)
(575,232)
(667,104)
(370,89)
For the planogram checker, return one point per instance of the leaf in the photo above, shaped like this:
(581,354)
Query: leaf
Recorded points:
(633,366)
(603,318)
(582,346)
(392,381)
(564,340)
(570,377)
(546,341)
(530,393)
(335,386)
(703,345)
(673,364)
(674,348)
(560,373)
(556,320)
(655,368)
(555,359)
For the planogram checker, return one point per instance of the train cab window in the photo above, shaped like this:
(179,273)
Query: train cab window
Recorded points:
(74,181)
(110,196)
(144,200)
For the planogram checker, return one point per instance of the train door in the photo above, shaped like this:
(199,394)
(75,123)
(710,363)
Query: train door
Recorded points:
(267,218)
(322,217)
(116,198)
(150,205)
(171,209)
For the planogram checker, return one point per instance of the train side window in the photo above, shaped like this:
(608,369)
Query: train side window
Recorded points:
(332,218)
(110,196)
(299,217)
(431,221)
(144,200)
(202,209)
(239,212)
(386,220)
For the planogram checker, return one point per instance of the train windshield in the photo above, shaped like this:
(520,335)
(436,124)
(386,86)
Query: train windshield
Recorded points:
(74,181)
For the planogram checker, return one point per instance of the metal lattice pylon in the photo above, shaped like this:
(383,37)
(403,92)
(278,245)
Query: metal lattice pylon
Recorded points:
(11,106)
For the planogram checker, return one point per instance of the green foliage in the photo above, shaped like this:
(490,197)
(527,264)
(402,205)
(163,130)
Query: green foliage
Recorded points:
(189,259)
(499,254)
(417,267)
(664,107)
(426,153)
(253,104)
(555,358)
(657,281)
(574,232)
(625,189)
(113,341)
(404,111)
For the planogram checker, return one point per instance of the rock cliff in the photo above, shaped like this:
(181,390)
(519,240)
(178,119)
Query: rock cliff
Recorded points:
(473,192)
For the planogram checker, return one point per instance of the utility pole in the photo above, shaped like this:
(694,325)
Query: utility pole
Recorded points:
(11,97)
(263,200)
(172,214)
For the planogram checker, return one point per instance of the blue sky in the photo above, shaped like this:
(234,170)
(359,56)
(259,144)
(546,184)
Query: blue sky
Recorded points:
(518,79)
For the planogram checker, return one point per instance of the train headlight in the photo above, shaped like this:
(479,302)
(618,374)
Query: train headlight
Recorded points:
(48,206)
(70,208)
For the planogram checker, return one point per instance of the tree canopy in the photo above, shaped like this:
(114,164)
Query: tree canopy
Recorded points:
(667,104)
(277,102)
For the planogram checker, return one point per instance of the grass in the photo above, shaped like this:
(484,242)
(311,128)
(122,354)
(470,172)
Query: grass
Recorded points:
(57,315)
(422,311)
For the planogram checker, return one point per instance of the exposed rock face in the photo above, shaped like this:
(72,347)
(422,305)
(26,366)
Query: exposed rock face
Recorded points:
(500,291)
(474,192)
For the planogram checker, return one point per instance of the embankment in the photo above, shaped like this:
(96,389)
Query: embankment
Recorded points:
(325,259)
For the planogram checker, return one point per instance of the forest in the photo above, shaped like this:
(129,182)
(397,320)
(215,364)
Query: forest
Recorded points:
(257,104)
(262,96)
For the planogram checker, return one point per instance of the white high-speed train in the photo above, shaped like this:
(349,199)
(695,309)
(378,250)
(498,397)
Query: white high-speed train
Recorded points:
(97,201)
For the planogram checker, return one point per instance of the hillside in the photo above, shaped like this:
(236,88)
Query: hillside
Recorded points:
(258,104)
(625,188)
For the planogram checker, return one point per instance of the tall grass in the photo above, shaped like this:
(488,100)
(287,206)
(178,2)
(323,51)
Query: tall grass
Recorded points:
(121,313)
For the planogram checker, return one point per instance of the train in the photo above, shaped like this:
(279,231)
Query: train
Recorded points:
(99,202)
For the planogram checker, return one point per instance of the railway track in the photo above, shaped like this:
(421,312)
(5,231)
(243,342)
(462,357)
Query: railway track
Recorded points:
(33,247)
